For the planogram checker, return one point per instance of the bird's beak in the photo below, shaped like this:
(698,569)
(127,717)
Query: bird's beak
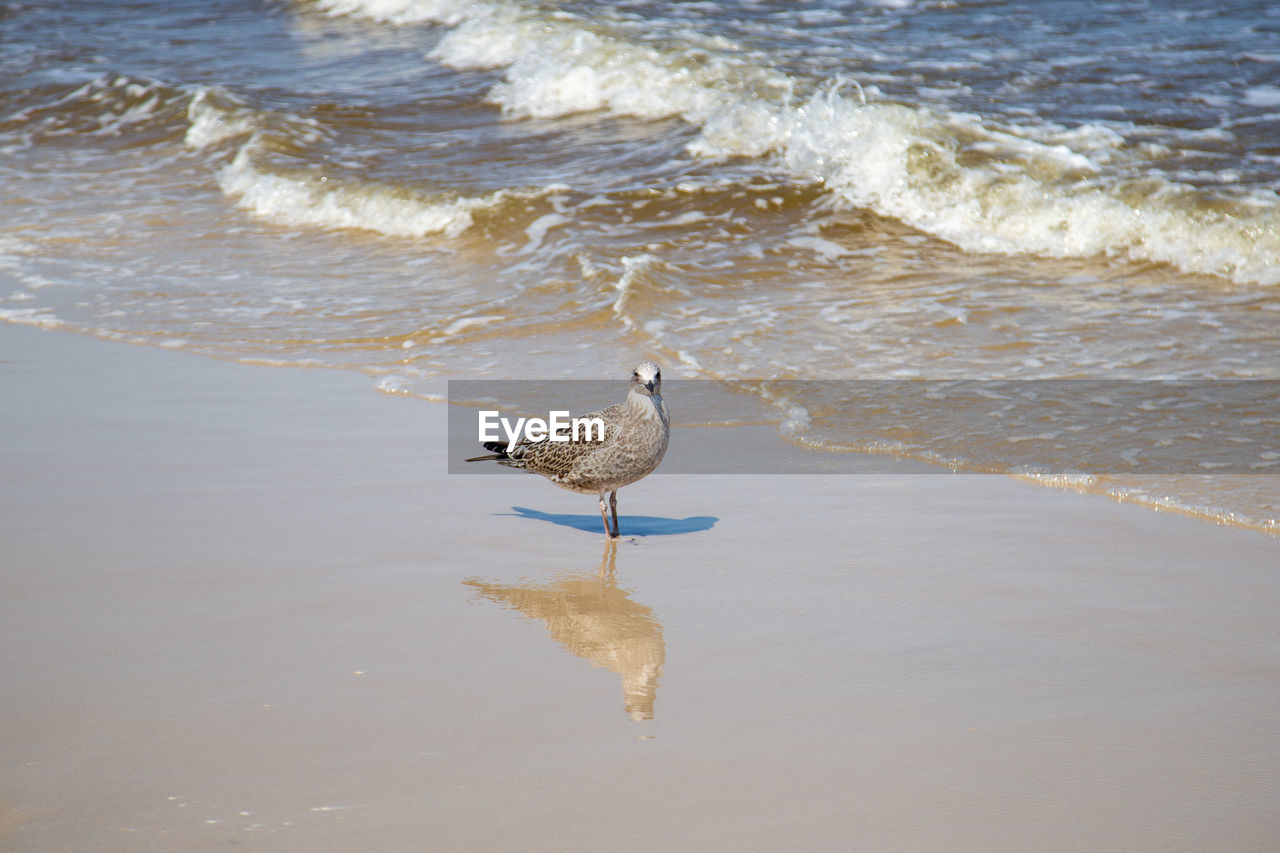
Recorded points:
(649,385)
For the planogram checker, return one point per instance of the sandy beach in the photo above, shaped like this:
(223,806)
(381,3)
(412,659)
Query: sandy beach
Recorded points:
(248,606)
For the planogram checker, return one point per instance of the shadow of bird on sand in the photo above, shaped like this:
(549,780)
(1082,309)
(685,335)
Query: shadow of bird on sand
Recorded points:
(637,525)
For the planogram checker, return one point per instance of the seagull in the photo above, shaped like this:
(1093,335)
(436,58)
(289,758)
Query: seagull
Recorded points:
(635,438)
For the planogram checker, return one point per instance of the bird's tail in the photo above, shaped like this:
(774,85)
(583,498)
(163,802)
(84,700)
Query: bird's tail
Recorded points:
(497,451)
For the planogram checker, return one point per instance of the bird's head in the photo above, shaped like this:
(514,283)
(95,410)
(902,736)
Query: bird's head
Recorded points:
(646,379)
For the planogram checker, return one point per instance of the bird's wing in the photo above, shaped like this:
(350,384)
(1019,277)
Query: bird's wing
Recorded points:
(559,457)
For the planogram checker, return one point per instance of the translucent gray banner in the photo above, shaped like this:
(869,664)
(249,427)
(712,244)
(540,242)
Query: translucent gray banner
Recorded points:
(1098,427)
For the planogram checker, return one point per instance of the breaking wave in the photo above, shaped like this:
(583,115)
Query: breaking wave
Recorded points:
(305,198)
(108,106)
(986,187)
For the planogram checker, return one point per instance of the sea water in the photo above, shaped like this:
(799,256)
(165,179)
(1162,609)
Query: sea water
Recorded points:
(764,191)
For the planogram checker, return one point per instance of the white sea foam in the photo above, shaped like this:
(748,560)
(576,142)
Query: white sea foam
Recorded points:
(309,201)
(464,323)
(31,317)
(632,266)
(400,11)
(559,67)
(819,245)
(905,162)
(1007,190)
(108,105)
(537,230)
(1262,96)
(796,422)
(210,123)
(215,117)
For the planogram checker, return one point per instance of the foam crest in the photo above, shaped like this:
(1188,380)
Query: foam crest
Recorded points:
(488,37)
(633,267)
(297,201)
(213,117)
(109,105)
(306,199)
(1052,192)
(398,11)
(909,164)
(561,66)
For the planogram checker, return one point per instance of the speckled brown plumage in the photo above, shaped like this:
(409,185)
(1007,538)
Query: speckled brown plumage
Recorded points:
(635,440)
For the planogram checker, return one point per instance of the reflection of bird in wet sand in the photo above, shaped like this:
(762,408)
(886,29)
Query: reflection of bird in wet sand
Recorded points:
(635,439)
(595,620)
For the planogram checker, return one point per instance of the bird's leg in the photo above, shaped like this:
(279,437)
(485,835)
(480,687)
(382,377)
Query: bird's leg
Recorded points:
(613,508)
(604,516)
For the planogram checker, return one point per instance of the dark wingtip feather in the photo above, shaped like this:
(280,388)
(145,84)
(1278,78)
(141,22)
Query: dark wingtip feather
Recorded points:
(497,450)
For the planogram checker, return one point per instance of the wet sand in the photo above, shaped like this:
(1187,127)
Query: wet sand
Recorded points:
(246,605)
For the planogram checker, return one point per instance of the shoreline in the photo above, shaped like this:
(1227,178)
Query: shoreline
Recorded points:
(775,453)
(249,605)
